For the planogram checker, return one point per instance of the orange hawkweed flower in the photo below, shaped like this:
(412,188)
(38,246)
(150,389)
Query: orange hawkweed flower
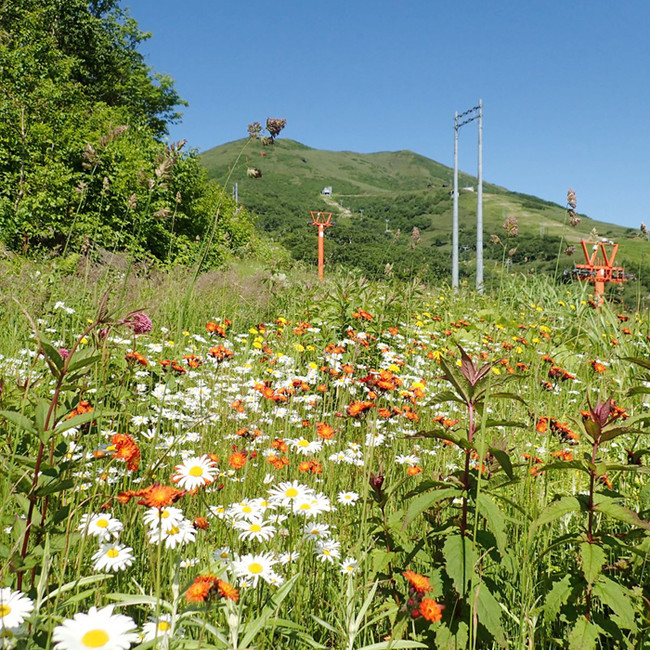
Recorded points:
(159,496)
(419,582)
(238,459)
(325,431)
(125,448)
(198,591)
(137,357)
(598,366)
(83,407)
(414,470)
(431,610)
(202,523)
(227,591)
(358,408)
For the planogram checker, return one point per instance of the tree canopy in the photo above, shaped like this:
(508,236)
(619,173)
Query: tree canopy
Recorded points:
(83,161)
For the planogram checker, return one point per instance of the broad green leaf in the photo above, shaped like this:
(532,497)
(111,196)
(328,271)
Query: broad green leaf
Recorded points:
(459,561)
(565,465)
(127,599)
(82,359)
(20,420)
(556,598)
(616,597)
(54,486)
(82,418)
(612,509)
(639,361)
(51,352)
(453,639)
(593,558)
(584,635)
(489,613)
(464,392)
(513,396)
(82,582)
(503,459)
(556,510)
(494,518)
(425,501)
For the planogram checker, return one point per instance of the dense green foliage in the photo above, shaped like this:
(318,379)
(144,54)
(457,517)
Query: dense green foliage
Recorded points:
(83,163)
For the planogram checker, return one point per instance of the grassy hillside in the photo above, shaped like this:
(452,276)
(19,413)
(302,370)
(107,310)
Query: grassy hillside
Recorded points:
(379,198)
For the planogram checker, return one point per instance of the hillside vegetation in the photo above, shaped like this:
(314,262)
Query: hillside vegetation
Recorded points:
(396,208)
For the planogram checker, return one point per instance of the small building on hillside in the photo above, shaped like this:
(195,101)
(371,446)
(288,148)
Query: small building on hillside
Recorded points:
(327,191)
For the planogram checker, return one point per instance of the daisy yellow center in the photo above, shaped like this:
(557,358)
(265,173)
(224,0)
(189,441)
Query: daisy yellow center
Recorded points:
(303,443)
(102,523)
(305,506)
(255,528)
(247,509)
(163,626)
(326,552)
(4,610)
(196,471)
(164,514)
(112,552)
(291,492)
(255,567)
(174,530)
(224,555)
(94,639)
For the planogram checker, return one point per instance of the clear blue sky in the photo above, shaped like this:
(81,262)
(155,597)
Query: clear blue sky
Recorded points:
(565,85)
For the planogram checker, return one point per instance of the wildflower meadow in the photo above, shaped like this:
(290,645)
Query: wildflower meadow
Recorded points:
(322,465)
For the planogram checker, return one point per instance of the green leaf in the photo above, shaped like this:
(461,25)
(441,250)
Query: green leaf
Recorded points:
(556,598)
(54,486)
(453,639)
(489,613)
(614,510)
(459,561)
(82,418)
(556,510)
(512,396)
(584,635)
(617,598)
(389,645)
(495,520)
(593,558)
(564,465)
(20,420)
(425,501)
(503,459)
(82,359)
(50,352)
(462,391)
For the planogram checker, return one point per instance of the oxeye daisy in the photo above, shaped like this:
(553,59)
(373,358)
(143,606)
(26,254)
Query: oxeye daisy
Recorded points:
(104,527)
(316,531)
(347,498)
(165,517)
(328,550)
(222,554)
(285,494)
(157,628)
(349,565)
(253,567)
(257,529)
(99,628)
(176,535)
(113,557)
(14,608)
(195,472)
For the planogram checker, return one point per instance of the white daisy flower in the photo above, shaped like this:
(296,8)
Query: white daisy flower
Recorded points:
(407,459)
(177,535)
(166,517)
(99,628)
(14,608)
(303,446)
(222,554)
(246,509)
(257,529)
(195,472)
(316,531)
(285,494)
(253,567)
(104,527)
(157,628)
(347,498)
(287,558)
(113,557)
(328,550)
(349,565)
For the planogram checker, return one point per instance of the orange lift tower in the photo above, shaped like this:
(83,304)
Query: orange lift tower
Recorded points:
(599,268)
(322,220)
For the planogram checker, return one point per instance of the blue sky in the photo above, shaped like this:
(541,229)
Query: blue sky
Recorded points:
(565,85)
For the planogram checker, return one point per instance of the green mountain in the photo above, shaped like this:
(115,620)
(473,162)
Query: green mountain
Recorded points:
(378,200)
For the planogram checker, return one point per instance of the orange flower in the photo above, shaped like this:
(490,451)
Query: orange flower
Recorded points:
(237,459)
(202,523)
(216,329)
(198,592)
(414,470)
(597,366)
(357,408)
(419,582)
(226,590)
(325,431)
(136,356)
(126,449)
(83,407)
(159,496)
(431,610)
